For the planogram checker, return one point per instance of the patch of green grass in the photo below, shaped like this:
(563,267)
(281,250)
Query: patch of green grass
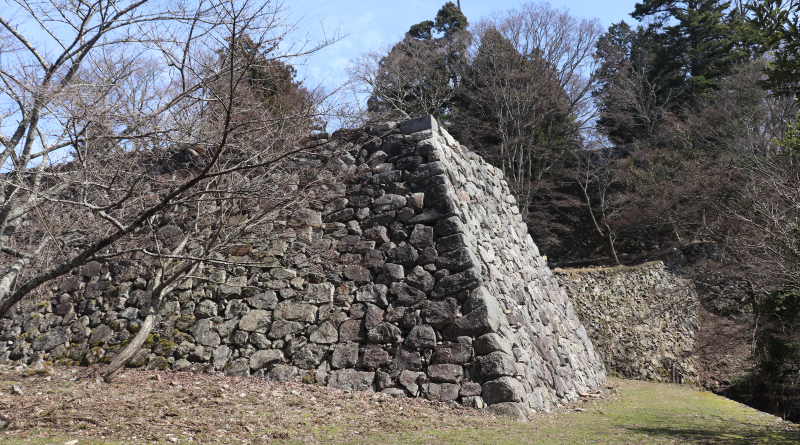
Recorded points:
(645,413)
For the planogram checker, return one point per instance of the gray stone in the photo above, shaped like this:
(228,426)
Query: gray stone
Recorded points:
(409,380)
(442,392)
(257,320)
(282,328)
(440,313)
(92,269)
(238,368)
(475,402)
(387,177)
(235,308)
(503,389)
(296,311)
(446,373)
(494,365)
(455,353)
(428,256)
(409,163)
(357,274)
(282,373)
(420,279)
(457,260)
(100,334)
(373,293)
(266,359)
(260,341)
(319,293)
(373,316)
(352,330)
(374,259)
(263,300)
(345,355)
(130,313)
(326,334)
(514,410)
(425,171)
(56,337)
(377,234)
(351,380)
(388,202)
(220,356)
(307,217)
(470,389)
(225,329)
(437,194)
(385,333)
(374,356)
(492,342)
(455,283)
(422,336)
(309,356)
(204,334)
(419,124)
(379,157)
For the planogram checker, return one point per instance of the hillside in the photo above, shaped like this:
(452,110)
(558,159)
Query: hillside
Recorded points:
(60,405)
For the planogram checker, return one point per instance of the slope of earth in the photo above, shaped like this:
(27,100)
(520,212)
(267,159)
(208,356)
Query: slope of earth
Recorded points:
(58,407)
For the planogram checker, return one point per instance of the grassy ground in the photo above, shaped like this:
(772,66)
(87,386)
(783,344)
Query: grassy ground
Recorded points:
(149,407)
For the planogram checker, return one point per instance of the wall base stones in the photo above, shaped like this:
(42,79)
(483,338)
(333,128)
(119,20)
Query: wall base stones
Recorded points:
(422,280)
(641,319)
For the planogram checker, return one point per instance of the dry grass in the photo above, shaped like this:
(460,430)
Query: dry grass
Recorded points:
(181,407)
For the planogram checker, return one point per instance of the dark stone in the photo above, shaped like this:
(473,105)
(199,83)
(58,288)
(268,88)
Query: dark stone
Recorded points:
(411,319)
(341,216)
(388,202)
(514,410)
(446,373)
(358,310)
(266,359)
(470,389)
(442,392)
(409,163)
(442,210)
(70,284)
(385,333)
(395,314)
(406,358)
(390,273)
(62,309)
(360,201)
(407,295)
(282,373)
(428,256)
(347,243)
(455,353)
(295,311)
(92,269)
(203,333)
(388,177)
(374,259)
(139,299)
(452,242)
(439,313)
(431,182)
(419,124)
(100,334)
(56,337)
(494,365)
(345,355)
(377,234)
(449,226)
(352,330)
(503,389)
(421,336)
(375,356)
(488,343)
(457,260)
(406,255)
(437,194)
(455,283)
(420,279)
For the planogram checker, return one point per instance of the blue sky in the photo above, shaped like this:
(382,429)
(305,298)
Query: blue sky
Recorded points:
(372,24)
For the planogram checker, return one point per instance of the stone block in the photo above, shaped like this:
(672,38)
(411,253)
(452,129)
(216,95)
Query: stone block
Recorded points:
(295,311)
(266,359)
(442,392)
(351,380)
(257,320)
(440,313)
(419,124)
(455,283)
(422,336)
(503,389)
(385,333)
(455,353)
(374,356)
(446,373)
(494,365)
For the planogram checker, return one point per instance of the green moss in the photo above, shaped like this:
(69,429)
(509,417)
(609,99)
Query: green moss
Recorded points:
(309,378)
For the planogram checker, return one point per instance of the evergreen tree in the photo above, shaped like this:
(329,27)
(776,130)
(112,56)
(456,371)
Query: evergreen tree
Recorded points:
(779,24)
(695,43)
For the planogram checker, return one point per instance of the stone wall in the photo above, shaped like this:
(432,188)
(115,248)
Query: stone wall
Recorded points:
(641,319)
(420,280)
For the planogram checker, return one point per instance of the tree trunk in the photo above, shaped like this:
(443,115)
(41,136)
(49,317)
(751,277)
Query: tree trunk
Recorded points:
(111,370)
(610,251)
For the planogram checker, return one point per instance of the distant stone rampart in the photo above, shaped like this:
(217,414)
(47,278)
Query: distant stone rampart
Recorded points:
(641,319)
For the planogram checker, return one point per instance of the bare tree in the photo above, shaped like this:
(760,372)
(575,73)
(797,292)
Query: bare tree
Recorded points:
(136,130)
